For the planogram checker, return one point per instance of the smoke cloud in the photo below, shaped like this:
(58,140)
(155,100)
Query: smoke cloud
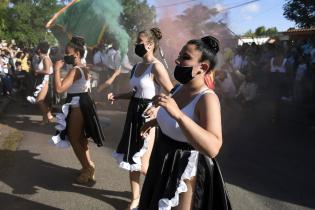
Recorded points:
(110,11)
(182,22)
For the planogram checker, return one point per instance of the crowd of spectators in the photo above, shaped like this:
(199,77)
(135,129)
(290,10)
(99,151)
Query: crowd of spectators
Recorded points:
(281,71)
(15,69)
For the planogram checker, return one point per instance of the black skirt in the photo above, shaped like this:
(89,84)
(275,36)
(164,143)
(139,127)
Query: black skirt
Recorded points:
(171,163)
(40,82)
(92,126)
(132,146)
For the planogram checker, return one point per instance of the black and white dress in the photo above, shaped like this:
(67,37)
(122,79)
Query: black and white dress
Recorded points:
(132,146)
(41,81)
(78,96)
(174,160)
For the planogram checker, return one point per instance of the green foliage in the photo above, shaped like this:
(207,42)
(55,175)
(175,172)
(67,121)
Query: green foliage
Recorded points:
(3,6)
(25,20)
(302,12)
(249,33)
(271,31)
(262,31)
(137,16)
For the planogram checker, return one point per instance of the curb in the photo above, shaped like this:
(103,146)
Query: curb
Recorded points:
(4,104)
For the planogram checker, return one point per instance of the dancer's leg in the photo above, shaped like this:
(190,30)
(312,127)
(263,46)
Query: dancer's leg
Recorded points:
(186,198)
(135,188)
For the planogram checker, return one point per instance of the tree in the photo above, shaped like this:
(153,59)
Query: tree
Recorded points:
(302,12)
(3,6)
(198,20)
(249,33)
(194,22)
(271,31)
(25,20)
(137,16)
(260,31)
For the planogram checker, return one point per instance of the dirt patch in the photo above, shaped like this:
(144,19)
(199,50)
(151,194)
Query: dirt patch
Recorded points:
(10,139)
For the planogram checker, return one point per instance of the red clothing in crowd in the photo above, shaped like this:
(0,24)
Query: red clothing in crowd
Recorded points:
(209,82)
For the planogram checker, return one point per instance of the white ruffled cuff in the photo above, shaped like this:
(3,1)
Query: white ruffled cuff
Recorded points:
(136,158)
(62,123)
(190,171)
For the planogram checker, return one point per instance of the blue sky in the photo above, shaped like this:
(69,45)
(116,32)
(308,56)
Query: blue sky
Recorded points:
(268,13)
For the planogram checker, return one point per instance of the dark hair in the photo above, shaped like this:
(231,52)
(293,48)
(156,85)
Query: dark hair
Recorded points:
(77,43)
(209,47)
(19,54)
(154,35)
(43,47)
(18,63)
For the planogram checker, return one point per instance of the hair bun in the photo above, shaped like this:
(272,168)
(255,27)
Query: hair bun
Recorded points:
(211,43)
(78,40)
(157,33)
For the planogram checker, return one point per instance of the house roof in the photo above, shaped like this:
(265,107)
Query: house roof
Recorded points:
(300,30)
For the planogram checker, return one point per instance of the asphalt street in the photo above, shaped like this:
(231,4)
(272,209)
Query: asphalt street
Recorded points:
(265,165)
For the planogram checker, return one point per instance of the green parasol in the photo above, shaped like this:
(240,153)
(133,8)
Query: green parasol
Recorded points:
(90,19)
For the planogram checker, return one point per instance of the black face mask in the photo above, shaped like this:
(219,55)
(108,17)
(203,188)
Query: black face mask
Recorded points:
(69,59)
(183,74)
(140,50)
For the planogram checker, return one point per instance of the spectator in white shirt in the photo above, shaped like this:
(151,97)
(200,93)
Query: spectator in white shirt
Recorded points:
(99,61)
(225,87)
(248,90)
(116,66)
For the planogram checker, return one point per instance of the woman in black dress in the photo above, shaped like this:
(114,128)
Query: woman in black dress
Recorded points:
(180,169)
(78,120)
(147,80)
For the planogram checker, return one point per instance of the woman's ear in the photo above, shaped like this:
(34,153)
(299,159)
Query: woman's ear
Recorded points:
(205,67)
(77,55)
(150,45)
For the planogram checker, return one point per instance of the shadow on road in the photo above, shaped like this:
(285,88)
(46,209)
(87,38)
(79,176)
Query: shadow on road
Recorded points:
(20,115)
(12,202)
(30,173)
(270,159)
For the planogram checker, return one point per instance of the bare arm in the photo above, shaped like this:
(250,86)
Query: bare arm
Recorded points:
(113,97)
(62,86)
(206,136)
(161,77)
(47,64)
(109,81)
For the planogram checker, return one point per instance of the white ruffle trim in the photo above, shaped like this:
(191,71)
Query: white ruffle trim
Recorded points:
(136,158)
(32,99)
(190,171)
(62,123)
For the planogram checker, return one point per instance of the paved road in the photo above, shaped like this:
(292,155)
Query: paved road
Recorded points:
(266,166)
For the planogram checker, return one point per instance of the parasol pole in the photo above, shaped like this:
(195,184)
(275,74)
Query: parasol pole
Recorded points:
(163,58)
(56,15)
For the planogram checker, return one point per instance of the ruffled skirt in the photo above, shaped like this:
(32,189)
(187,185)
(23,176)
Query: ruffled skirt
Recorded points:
(92,126)
(171,163)
(132,146)
(41,81)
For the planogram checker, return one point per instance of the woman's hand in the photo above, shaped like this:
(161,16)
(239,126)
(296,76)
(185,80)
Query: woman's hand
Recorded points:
(146,128)
(111,97)
(169,105)
(59,64)
(151,112)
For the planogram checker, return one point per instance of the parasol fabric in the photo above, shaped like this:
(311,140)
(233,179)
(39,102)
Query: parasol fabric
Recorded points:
(90,19)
